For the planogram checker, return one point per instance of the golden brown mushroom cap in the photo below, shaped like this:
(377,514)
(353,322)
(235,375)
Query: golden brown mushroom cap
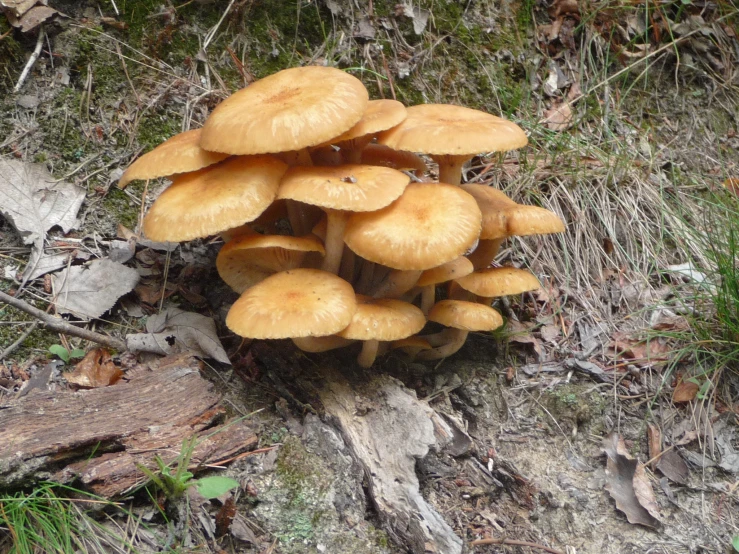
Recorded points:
(247,260)
(444,129)
(383,319)
(469,316)
(295,303)
(494,206)
(379,115)
(499,281)
(532,220)
(355,188)
(446,272)
(378,154)
(214,199)
(179,154)
(429,225)
(289,110)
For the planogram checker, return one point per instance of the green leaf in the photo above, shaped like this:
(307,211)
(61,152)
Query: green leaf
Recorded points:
(60,352)
(735,542)
(77,353)
(211,487)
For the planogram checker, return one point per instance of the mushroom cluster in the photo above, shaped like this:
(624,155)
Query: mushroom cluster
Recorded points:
(370,236)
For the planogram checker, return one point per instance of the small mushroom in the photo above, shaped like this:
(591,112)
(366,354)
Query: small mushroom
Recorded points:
(214,199)
(449,271)
(179,154)
(498,281)
(381,319)
(460,317)
(293,304)
(452,135)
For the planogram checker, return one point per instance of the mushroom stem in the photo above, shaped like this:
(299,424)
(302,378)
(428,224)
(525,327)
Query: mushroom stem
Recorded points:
(366,274)
(368,354)
(296,212)
(450,168)
(456,341)
(396,284)
(346,269)
(485,253)
(351,150)
(320,344)
(334,240)
(428,297)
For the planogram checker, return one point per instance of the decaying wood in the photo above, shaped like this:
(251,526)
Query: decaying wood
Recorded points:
(98,436)
(388,429)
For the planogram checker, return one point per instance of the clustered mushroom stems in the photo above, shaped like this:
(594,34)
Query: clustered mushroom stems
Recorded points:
(368,277)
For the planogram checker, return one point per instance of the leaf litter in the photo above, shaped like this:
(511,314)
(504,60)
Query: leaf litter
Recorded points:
(96,369)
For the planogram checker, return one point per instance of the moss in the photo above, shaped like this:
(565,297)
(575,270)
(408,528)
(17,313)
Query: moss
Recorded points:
(120,207)
(575,405)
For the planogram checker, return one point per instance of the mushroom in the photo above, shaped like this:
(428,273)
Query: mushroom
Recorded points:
(214,199)
(379,115)
(247,260)
(449,271)
(411,346)
(381,319)
(339,191)
(498,281)
(378,154)
(321,344)
(179,154)
(460,317)
(294,303)
(452,135)
(502,218)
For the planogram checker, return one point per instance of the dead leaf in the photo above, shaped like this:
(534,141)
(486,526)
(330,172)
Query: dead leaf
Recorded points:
(732,185)
(95,370)
(90,290)
(33,203)
(32,18)
(175,330)
(17,7)
(558,117)
(521,334)
(225,516)
(685,391)
(628,485)
(654,440)
(550,332)
(419,16)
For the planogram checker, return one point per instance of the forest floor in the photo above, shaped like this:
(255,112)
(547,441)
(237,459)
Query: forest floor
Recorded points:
(632,112)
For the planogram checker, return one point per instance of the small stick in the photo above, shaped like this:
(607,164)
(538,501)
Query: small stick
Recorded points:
(32,60)
(60,326)
(10,349)
(513,542)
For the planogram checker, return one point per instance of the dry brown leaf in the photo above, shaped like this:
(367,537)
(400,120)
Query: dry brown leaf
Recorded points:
(549,333)
(672,466)
(521,334)
(628,485)
(654,440)
(95,370)
(685,391)
(732,185)
(32,18)
(558,117)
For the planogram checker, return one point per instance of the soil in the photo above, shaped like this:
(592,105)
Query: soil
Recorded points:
(110,85)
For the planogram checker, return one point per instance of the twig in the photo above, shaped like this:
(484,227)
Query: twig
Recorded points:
(10,349)
(32,60)
(513,542)
(61,326)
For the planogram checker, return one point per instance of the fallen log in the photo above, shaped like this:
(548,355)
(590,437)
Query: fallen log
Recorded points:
(98,436)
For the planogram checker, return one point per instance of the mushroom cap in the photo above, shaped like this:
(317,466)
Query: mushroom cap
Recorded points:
(247,260)
(469,316)
(289,110)
(532,220)
(214,199)
(444,129)
(429,225)
(179,154)
(379,115)
(356,188)
(494,206)
(294,303)
(411,345)
(499,281)
(379,154)
(383,319)
(446,272)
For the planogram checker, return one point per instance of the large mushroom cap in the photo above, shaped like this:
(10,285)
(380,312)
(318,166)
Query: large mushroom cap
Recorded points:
(494,206)
(379,115)
(383,319)
(499,281)
(295,303)
(452,130)
(247,260)
(469,316)
(214,199)
(429,225)
(179,154)
(356,188)
(289,110)
(533,220)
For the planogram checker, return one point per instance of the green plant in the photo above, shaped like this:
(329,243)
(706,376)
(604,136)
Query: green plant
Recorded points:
(65,354)
(174,482)
(735,542)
